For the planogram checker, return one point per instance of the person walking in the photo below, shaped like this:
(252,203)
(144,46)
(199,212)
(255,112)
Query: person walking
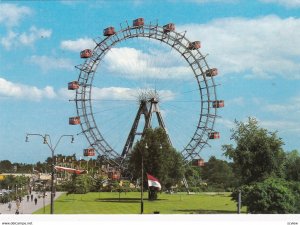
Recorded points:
(35,200)
(9,206)
(18,203)
(27,198)
(31,197)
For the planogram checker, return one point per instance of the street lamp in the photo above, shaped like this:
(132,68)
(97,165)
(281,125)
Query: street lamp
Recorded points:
(47,137)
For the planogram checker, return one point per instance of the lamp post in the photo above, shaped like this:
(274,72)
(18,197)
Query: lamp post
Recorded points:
(47,137)
(239,202)
(44,195)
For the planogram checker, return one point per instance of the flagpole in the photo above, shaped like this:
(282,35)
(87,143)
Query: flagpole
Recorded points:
(142,186)
(142,181)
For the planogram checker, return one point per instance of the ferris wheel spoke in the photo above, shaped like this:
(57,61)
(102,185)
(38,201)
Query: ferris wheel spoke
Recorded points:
(111,109)
(176,134)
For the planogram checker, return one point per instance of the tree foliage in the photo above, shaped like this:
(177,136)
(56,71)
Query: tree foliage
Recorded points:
(11,182)
(6,166)
(258,153)
(193,175)
(269,196)
(292,166)
(79,184)
(160,159)
(218,173)
(294,186)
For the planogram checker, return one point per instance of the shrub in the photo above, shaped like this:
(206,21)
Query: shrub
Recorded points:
(269,196)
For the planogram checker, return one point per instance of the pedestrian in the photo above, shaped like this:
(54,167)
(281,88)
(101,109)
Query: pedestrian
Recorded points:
(27,198)
(18,203)
(35,200)
(31,197)
(9,206)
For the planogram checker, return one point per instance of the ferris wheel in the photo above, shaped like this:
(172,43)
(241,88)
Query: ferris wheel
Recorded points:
(194,94)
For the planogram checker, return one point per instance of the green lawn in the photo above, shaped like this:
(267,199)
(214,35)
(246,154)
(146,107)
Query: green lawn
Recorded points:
(129,203)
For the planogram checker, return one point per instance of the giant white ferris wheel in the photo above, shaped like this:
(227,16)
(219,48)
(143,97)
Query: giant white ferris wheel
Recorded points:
(190,101)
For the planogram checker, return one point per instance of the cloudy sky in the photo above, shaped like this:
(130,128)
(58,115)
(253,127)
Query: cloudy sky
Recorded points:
(254,44)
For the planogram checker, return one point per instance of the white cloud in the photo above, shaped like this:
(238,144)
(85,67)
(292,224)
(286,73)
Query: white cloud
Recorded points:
(47,63)
(285,3)
(239,101)
(9,40)
(25,39)
(21,91)
(122,93)
(33,35)
(262,47)
(285,114)
(226,122)
(66,94)
(78,45)
(290,109)
(133,64)
(284,126)
(69,2)
(114,93)
(11,14)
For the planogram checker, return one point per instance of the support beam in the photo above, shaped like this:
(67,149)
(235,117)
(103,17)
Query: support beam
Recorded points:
(147,108)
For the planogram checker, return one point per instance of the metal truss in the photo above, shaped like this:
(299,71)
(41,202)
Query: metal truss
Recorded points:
(148,114)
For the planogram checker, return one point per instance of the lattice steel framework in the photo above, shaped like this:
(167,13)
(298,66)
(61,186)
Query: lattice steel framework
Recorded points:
(177,41)
(147,113)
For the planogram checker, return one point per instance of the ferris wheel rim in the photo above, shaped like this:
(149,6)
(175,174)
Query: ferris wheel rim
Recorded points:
(176,41)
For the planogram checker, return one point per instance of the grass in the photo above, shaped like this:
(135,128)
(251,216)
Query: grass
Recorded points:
(129,203)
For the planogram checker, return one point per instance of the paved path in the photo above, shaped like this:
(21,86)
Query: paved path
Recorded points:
(28,207)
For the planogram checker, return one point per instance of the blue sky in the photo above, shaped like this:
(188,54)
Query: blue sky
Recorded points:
(254,44)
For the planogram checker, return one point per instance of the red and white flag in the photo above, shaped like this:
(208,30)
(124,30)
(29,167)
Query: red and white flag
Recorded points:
(153,181)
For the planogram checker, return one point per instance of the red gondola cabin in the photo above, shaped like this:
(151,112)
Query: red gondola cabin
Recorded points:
(211,72)
(138,22)
(169,27)
(87,53)
(109,31)
(89,152)
(194,45)
(74,120)
(114,175)
(198,162)
(218,104)
(73,85)
(214,135)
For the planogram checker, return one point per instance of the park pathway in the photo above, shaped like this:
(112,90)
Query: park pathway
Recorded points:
(28,207)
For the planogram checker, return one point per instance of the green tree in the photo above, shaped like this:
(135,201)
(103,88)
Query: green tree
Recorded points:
(218,173)
(160,159)
(193,175)
(269,196)
(292,166)
(258,153)
(79,184)
(6,166)
(294,186)
(97,183)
